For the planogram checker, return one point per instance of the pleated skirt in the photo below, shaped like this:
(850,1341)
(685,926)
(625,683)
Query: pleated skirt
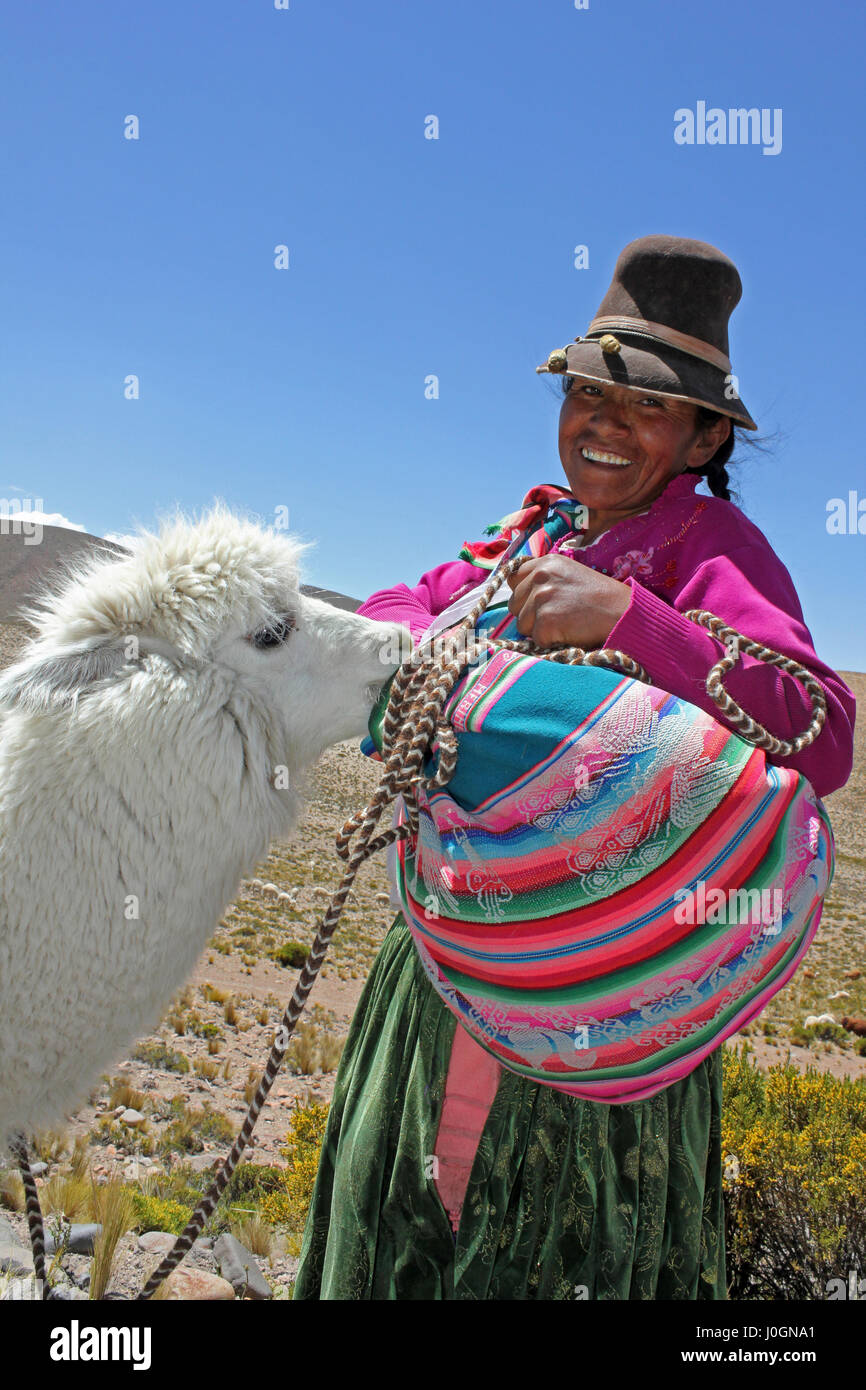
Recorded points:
(567,1199)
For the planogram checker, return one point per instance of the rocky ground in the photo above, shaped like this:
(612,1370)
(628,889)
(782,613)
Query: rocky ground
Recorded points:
(214,1270)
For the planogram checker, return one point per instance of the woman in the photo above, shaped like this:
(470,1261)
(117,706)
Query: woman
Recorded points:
(442,1174)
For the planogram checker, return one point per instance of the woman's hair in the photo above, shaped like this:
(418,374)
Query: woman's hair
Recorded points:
(714,470)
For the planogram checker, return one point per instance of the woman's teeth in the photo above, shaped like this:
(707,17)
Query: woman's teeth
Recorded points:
(596,457)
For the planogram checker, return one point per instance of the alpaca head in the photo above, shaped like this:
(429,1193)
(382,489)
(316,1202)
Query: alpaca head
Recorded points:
(218,602)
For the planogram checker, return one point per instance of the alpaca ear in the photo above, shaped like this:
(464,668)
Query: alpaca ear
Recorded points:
(54,680)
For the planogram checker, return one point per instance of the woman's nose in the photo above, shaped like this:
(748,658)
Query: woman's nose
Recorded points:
(612,415)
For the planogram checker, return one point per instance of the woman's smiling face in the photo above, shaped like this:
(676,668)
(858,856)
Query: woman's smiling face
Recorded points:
(619,447)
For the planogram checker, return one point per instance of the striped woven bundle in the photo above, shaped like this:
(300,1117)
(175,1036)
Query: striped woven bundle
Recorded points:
(612,883)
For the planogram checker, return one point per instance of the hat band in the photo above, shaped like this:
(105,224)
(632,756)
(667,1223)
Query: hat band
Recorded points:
(695,347)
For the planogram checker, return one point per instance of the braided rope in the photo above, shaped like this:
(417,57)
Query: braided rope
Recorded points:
(35,1225)
(413,722)
(748,728)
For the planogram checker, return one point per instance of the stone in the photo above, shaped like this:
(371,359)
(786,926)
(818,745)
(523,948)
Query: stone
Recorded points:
(157,1242)
(238,1265)
(134,1118)
(77,1270)
(81,1237)
(38,1169)
(200,1163)
(197,1286)
(15,1258)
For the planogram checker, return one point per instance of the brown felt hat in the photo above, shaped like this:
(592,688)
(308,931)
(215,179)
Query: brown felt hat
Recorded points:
(663,326)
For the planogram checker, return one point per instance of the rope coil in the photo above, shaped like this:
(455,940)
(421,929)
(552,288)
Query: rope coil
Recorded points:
(412,723)
(748,728)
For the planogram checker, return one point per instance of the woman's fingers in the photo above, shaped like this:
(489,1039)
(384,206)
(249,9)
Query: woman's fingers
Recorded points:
(522,584)
(523,610)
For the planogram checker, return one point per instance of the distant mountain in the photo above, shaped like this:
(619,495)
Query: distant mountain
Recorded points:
(24,566)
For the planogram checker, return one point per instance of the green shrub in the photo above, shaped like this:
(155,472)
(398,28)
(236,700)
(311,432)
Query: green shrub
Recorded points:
(826,1032)
(204,1030)
(124,1138)
(151,1213)
(182,1185)
(794,1148)
(159,1054)
(188,1132)
(251,1182)
(292,954)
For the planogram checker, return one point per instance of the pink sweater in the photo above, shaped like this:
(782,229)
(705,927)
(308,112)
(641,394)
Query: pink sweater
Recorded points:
(690,551)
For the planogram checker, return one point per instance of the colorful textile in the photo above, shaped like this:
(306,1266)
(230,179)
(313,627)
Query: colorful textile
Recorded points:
(689,551)
(566,1200)
(470,1087)
(548,513)
(612,883)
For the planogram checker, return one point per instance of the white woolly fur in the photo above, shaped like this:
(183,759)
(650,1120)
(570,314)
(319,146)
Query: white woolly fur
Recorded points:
(145,743)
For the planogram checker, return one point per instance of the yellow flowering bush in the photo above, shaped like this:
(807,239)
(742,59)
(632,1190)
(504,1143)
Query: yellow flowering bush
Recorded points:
(794,1154)
(288,1206)
(151,1213)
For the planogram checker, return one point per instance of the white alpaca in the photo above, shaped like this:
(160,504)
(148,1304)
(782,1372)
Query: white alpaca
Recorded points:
(151,744)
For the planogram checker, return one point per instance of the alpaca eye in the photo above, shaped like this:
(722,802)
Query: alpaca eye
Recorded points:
(274,635)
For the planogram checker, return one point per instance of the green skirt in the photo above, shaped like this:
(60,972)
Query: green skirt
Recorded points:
(567,1199)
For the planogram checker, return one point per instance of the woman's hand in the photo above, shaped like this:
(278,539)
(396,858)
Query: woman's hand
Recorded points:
(558,600)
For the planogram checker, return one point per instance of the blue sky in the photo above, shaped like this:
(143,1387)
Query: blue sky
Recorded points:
(409,257)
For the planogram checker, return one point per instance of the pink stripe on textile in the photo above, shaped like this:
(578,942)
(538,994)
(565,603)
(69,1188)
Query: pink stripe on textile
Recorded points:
(625,1092)
(493,671)
(470,1086)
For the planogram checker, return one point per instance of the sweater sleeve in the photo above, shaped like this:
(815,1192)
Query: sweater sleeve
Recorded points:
(750,589)
(416,607)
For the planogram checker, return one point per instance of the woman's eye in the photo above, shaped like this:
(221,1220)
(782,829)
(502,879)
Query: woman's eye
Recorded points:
(651,400)
(273,635)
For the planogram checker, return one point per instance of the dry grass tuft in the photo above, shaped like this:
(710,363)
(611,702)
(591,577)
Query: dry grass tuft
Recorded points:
(255,1234)
(112,1208)
(65,1195)
(120,1092)
(50,1145)
(214,995)
(11,1192)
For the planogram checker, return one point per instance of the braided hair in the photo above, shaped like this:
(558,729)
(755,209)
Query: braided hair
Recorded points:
(714,469)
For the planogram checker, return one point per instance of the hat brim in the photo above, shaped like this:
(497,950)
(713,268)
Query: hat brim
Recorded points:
(667,372)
